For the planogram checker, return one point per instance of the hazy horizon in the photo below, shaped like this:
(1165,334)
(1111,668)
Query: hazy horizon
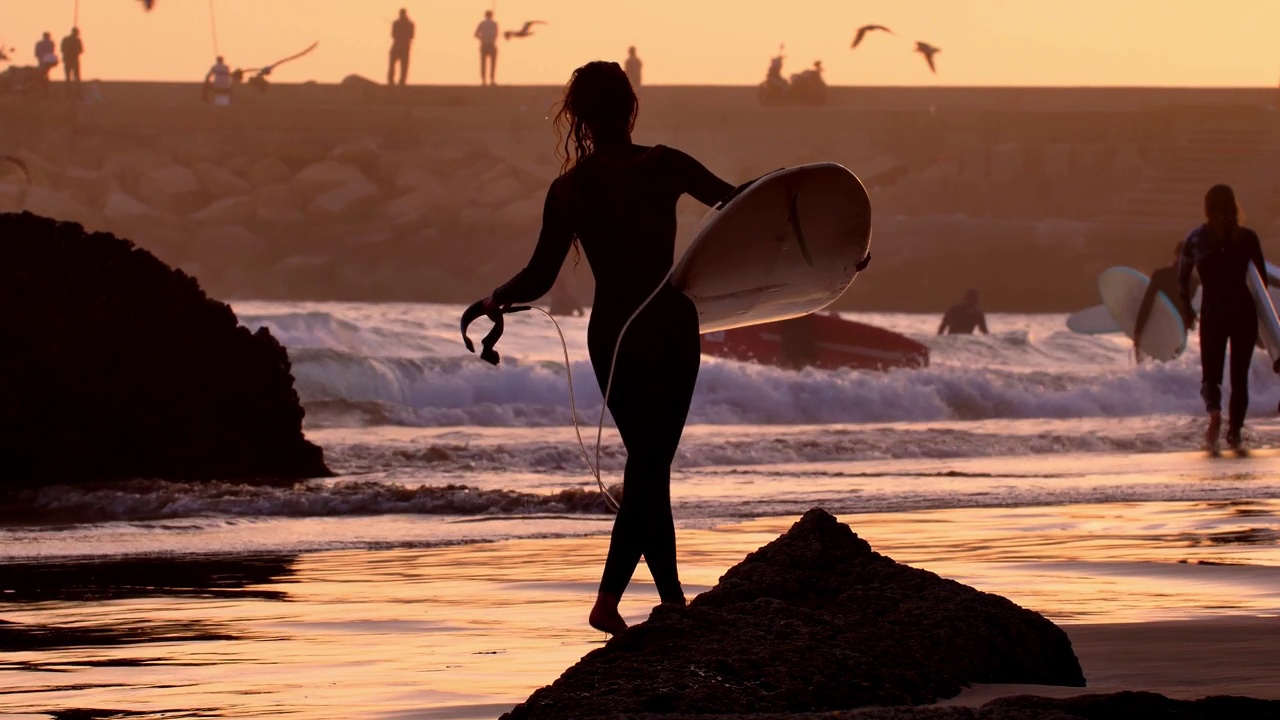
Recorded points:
(715,42)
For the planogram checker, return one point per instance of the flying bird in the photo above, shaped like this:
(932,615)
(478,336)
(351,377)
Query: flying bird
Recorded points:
(928,51)
(264,71)
(525,31)
(148,4)
(862,32)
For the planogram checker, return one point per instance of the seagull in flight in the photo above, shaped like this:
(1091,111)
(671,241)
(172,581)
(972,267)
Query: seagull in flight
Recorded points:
(862,31)
(148,4)
(525,31)
(928,51)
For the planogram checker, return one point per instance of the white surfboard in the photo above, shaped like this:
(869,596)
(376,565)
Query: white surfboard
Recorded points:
(785,247)
(1268,324)
(1095,320)
(1122,289)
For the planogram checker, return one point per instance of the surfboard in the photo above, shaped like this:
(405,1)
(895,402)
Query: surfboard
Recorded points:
(786,246)
(1095,320)
(822,341)
(1268,324)
(1122,288)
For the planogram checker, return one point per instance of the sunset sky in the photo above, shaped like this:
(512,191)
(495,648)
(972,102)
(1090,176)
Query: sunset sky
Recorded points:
(983,42)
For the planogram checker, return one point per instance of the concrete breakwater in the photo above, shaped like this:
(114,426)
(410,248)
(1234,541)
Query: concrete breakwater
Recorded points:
(357,192)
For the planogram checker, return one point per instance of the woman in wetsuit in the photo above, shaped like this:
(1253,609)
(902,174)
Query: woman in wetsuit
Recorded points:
(1220,252)
(618,200)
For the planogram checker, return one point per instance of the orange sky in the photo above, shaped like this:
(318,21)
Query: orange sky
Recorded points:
(984,42)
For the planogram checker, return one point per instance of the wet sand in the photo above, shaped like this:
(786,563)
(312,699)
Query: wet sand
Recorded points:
(1179,598)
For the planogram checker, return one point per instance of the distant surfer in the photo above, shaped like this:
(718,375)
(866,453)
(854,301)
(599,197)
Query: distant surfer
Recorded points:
(964,317)
(1163,280)
(1220,251)
(618,199)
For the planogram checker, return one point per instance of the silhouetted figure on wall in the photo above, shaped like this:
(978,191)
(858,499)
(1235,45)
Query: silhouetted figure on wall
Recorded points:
(217,83)
(401,40)
(72,49)
(808,87)
(46,59)
(487,34)
(963,317)
(633,67)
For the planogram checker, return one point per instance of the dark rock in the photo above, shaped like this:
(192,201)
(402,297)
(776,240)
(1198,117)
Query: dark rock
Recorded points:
(1117,706)
(117,366)
(813,621)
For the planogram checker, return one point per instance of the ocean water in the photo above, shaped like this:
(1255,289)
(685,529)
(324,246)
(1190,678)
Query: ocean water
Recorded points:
(434,447)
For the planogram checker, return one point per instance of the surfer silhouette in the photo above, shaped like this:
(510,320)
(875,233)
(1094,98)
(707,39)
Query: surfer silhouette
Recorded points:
(618,200)
(1220,251)
(487,34)
(1163,280)
(963,317)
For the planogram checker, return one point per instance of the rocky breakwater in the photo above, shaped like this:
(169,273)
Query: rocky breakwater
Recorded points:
(343,216)
(814,621)
(117,366)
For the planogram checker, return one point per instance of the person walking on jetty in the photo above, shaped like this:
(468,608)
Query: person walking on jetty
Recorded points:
(46,60)
(633,67)
(72,49)
(218,83)
(964,317)
(1220,251)
(402,31)
(487,34)
(618,200)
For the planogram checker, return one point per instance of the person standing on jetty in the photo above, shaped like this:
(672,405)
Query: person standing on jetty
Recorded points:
(1220,251)
(401,39)
(487,34)
(633,67)
(218,82)
(618,199)
(46,59)
(72,49)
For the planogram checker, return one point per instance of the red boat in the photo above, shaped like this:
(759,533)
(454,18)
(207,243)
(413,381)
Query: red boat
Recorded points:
(822,341)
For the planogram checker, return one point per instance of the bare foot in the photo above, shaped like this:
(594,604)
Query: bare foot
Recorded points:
(607,619)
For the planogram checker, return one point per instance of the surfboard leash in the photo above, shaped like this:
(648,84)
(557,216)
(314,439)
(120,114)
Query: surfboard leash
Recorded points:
(488,354)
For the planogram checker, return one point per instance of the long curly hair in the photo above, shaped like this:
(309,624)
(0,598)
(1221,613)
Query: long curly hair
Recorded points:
(598,104)
(1221,210)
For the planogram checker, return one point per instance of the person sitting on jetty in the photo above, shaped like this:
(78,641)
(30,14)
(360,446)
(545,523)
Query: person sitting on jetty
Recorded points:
(963,317)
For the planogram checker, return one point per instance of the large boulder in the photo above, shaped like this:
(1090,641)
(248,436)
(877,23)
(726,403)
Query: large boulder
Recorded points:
(344,201)
(220,182)
(173,189)
(321,177)
(116,366)
(813,621)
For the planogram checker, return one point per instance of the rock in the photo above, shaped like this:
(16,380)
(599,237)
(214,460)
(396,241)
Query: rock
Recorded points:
(127,167)
(42,171)
(348,200)
(270,171)
(123,206)
(411,178)
(228,210)
(813,621)
(412,207)
(277,204)
(363,154)
(321,177)
(219,182)
(118,367)
(173,189)
(11,196)
(1115,706)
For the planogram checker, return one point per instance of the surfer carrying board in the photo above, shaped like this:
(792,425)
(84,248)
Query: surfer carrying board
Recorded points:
(618,200)
(1220,251)
(1164,280)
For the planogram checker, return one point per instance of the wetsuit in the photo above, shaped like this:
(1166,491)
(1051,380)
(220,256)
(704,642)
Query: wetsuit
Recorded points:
(962,319)
(622,208)
(1226,311)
